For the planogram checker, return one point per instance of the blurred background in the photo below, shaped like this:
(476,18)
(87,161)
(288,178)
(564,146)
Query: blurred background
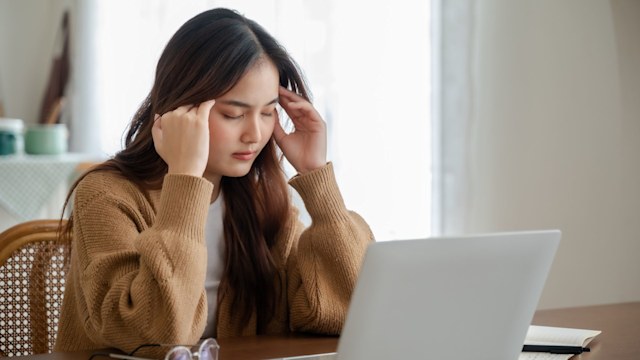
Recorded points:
(368,71)
(445,117)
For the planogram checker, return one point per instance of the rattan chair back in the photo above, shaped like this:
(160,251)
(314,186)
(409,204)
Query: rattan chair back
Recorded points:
(32,278)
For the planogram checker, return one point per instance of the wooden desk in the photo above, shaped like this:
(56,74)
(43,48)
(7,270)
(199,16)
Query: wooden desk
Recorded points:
(620,338)
(620,325)
(240,348)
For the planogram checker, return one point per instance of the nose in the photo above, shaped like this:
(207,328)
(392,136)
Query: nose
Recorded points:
(251,133)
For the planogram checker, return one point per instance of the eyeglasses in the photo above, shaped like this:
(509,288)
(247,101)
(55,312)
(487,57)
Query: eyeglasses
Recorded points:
(207,350)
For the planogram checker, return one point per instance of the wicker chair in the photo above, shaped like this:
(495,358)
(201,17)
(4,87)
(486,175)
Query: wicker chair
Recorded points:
(32,271)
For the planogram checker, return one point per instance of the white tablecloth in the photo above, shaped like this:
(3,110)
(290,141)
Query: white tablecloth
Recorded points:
(30,184)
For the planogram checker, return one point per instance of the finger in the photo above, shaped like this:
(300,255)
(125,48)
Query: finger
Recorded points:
(288,97)
(284,100)
(278,133)
(302,109)
(205,108)
(293,107)
(182,109)
(300,105)
(283,91)
(156,130)
(193,110)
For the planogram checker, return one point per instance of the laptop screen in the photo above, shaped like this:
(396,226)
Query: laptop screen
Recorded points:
(448,298)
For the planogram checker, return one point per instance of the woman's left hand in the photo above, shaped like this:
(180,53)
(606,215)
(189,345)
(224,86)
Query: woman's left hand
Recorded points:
(306,146)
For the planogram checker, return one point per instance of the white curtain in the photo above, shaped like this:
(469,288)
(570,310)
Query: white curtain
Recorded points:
(84,117)
(368,65)
(453,112)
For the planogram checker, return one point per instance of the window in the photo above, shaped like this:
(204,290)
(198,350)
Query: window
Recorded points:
(368,66)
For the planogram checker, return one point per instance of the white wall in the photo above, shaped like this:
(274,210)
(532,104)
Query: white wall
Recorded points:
(555,139)
(27,36)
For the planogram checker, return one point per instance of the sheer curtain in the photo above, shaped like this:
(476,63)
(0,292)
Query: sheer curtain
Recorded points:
(453,25)
(368,66)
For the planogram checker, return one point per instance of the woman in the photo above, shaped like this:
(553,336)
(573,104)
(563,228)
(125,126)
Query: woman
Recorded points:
(189,231)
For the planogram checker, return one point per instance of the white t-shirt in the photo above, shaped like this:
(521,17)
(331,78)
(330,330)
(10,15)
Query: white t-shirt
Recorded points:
(214,235)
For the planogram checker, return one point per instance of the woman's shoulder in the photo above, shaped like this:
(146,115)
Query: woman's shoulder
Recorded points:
(106,180)
(102,183)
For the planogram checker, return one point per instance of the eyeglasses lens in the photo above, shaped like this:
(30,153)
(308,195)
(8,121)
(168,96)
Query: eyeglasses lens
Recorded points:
(178,353)
(209,350)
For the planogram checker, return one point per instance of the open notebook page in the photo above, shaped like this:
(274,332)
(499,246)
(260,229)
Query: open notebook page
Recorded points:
(547,335)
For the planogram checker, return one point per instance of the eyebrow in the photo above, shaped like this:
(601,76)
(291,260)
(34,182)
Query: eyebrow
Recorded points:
(245,105)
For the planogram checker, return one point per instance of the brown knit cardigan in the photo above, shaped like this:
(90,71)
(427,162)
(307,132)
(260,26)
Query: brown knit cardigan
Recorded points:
(138,264)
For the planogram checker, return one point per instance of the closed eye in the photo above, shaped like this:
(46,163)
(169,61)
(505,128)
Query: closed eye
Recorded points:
(230,117)
(268,112)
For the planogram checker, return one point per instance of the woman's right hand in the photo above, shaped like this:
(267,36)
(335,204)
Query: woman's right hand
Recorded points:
(181,138)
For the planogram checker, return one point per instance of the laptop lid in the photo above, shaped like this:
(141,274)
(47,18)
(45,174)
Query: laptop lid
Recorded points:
(467,297)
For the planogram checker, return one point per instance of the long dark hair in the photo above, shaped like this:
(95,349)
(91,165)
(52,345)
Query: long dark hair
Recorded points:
(204,59)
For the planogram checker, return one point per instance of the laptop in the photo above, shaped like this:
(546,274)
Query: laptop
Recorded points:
(464,297)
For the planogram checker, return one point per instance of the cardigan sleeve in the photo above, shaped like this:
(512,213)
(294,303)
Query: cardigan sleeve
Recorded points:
(141,270)
(323,265)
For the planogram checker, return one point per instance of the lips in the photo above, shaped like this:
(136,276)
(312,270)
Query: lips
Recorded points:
(244,155)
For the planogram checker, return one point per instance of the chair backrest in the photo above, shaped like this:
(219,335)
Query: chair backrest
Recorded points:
(32,279)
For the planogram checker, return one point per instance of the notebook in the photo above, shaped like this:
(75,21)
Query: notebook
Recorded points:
(466,297)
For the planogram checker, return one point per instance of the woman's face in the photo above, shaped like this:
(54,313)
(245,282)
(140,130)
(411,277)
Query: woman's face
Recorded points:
(241,122)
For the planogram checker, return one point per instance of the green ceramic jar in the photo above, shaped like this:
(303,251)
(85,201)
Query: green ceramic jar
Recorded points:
(46,139)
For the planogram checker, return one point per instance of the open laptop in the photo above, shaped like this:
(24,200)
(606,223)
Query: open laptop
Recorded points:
(466,297)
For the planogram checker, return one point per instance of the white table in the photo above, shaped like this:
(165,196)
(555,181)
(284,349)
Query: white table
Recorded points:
(35,186)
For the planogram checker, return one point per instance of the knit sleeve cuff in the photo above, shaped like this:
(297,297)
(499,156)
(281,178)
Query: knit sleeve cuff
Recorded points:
(184,203)
(320,193)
